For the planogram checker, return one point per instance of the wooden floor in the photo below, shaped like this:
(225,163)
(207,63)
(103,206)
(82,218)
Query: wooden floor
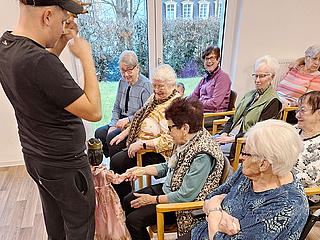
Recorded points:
(20,208)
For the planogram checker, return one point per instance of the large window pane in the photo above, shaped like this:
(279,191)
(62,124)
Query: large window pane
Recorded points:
(184,40)
(112,26)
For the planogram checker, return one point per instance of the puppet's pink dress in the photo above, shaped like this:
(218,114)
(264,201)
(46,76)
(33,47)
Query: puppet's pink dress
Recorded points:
(110,218)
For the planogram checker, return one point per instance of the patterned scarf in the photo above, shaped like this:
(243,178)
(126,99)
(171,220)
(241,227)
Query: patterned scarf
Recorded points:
(140,115)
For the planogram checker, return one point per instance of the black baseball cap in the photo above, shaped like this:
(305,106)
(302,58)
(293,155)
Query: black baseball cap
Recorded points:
(69,5)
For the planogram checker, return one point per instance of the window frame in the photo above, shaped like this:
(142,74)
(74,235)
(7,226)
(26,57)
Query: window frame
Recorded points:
(169,4)
(202,3)
(184,4)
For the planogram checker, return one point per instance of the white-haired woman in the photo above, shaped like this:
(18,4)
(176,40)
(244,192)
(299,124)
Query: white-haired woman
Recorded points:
(302,79)
(148,130)
(263,199)
(257,105)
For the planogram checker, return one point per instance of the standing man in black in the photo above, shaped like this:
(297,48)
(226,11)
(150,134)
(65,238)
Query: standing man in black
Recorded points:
(48,106)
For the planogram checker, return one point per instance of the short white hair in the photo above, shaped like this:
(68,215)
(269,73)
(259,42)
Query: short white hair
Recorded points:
(312,51)
(128,58)
(276,141)
(166,74)
(271,62)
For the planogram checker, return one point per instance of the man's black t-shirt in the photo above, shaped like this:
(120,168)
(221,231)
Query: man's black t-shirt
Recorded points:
(39,87)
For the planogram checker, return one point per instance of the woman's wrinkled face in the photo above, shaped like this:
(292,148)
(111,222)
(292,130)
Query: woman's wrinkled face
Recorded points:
(262,78)
(129,74)
(161,89)
(176,132)
(306,117)
(250,168)
(312,63)
(211,62)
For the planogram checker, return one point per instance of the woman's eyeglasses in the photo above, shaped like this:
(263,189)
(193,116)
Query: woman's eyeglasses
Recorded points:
(129,71)
(262,75)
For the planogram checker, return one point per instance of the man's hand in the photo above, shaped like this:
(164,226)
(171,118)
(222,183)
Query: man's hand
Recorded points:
(80,47)
(143,200)
(134,147)
(71,29)
(69,26)
(122,123)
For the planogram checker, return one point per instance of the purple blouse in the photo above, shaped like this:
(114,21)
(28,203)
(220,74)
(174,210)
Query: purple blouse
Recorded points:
(214,93)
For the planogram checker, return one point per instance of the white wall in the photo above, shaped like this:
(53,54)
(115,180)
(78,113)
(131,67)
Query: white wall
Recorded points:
(281,28)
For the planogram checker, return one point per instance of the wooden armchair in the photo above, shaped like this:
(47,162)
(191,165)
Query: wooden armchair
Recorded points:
(173,207)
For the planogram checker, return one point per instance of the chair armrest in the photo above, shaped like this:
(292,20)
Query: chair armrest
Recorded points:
(216,123)
(235,163)
(312,191)
(227,113)
(172,207)
(139,164)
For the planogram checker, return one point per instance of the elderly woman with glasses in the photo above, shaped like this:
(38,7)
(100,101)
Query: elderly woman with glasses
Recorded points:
(300,80)
(257,105)
(263,199)
(213,90)
(308,164)
(148,130)
(193,171)
(133,91)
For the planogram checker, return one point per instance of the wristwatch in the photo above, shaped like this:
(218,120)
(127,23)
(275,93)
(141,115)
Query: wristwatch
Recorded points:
(219,209)
(144,144)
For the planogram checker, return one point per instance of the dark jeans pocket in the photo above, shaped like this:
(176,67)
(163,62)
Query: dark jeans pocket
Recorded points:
(81,183)
(54,186)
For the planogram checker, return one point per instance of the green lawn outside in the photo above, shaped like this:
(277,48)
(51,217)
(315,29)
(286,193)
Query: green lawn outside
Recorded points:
(108,92)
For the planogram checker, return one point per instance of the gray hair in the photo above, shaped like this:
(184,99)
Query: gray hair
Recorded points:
(312,51)
(276,141)
(271,62)
(128,58)
(165,73)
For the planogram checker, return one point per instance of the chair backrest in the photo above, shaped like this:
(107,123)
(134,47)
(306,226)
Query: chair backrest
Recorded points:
(232,100)
(226,170)
(286,110)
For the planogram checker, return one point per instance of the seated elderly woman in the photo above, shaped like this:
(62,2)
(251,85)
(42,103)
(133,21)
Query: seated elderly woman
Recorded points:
(213,90)
(263,199)
(133,91)
(148,130)
(308,164)
(257,105)
(194,170)
(300,80)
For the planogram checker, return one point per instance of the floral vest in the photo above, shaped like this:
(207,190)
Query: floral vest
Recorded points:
(202,142)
